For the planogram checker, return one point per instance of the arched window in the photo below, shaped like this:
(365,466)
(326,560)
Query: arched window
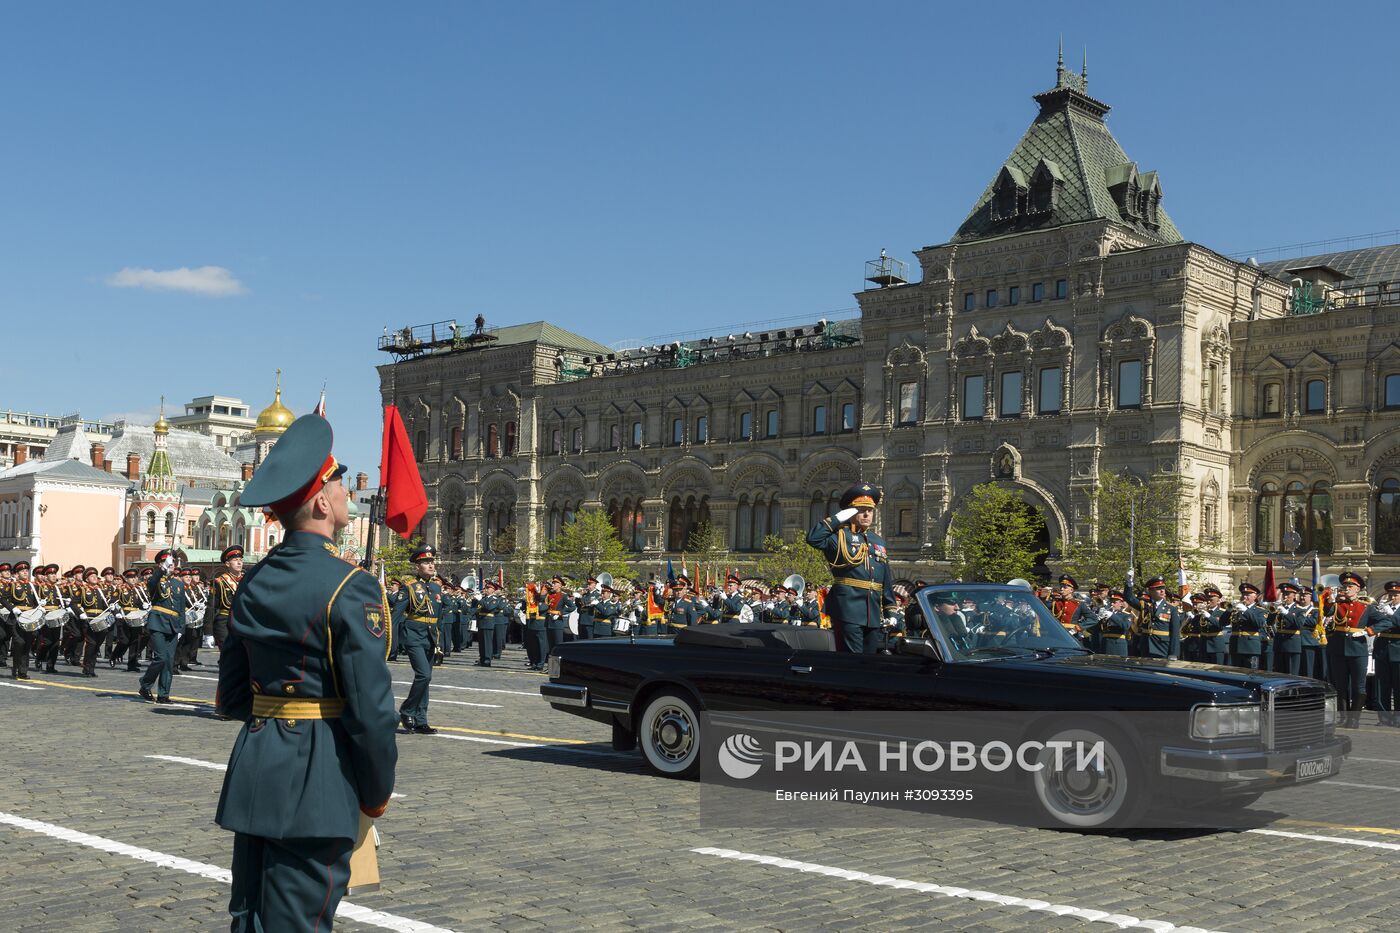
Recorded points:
(615,437)
(576,444)
(556,441)
(457,443)
(1315,396)
(1392,391)
(743,525)
(420,446)
(702,429)
(1266,511)
(1271,400)
(677,430)
(676,526)
(1388,517)
(816,509)
(492,441)
(553,526)
(746,426)
(760,523)
(775,517)
(150,525)
(169,524)
(1318,533)
(636,434)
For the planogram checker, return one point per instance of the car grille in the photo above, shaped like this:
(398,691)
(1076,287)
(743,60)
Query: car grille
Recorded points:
(1293,717)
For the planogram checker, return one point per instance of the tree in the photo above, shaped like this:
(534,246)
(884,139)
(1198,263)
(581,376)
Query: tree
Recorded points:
(1155,513)
(514,560)
(784,556)
(994,536)
(393,554)
(585,547)
(707,546)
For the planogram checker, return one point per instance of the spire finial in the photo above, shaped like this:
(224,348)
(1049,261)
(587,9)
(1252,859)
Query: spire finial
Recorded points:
(279,385)
(1084,71)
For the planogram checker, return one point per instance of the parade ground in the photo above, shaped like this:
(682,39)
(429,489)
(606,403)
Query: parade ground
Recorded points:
(517,817)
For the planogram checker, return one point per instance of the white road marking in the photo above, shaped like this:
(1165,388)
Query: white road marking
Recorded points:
(1365,843)
(347,910)
(211,765)
(547,745)
(165,706)
(1379,761)
(198,677)
(1364,786)
(6,683)
(1005,900)
(519,693)
(460,703)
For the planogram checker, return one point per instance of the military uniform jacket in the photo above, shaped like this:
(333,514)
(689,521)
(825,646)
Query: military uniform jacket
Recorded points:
(1247,630)
(305,625)
(730,606)
(862,586)
(88,602)
(607,610)
(19,596)
(126,598)
(1212,626)
(1162,623)
(417,611)
(220,604)
(1288,632)
(491,608)
(1113,633)
(167,596)
(1387,628)
(808,613)
(586,603)
(1307,621)
(682,612)
(1349,625)
(556,616)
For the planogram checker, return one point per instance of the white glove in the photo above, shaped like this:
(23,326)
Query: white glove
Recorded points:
(168,564)
(1130,577)
(208,641)
(846,515)
(1241,607)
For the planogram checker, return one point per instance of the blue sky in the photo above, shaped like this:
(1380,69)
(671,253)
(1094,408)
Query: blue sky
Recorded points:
(624,170)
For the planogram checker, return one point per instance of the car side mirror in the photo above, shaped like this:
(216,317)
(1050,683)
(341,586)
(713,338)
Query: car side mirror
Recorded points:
(919,649)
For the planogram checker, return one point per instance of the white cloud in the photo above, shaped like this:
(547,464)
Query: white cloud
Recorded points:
(211,281)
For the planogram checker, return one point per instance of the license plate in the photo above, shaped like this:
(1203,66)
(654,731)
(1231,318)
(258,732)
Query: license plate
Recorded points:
(1314,768)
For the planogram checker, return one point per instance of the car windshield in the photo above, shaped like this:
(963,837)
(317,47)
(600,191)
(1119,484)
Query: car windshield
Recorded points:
(977,622)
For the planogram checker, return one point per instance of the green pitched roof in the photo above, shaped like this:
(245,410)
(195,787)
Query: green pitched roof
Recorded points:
(1069,135)
(547,334)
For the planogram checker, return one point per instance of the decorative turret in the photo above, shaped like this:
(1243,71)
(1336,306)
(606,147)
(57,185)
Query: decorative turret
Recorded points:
(276,417)
(160,475)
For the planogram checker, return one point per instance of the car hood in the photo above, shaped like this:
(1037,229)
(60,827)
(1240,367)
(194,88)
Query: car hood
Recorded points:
(1165,671)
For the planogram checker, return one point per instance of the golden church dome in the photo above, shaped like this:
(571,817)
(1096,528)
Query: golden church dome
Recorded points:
(276,417)
(162,426)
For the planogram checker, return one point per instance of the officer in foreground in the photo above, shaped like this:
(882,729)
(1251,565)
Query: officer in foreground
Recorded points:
(164,625)
(304,665)
(862,588)
(416,615)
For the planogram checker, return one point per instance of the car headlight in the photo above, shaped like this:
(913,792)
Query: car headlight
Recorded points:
(1220,722)
(1329,709)
(554,666)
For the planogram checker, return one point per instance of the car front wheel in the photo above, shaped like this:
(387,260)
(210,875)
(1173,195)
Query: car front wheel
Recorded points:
(669,733)
(1101,791)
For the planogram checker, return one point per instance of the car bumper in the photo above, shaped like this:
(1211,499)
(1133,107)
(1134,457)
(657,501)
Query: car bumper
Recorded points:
(564,694)
(1256,767)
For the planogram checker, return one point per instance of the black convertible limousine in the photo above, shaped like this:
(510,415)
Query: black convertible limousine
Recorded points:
(1227,733)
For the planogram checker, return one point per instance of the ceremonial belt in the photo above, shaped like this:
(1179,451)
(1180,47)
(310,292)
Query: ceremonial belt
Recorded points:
(1388,634)
(1113,635)
(266,707)
(427,619)
(1348,630)
(1161,632)
(1288,631)
(859,584)
(731,615)
(169,612)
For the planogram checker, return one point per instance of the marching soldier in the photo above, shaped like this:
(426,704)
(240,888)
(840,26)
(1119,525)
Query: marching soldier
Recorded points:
(558,605)
(128,637)
(1160,625)
(862,587)
(503,622)
(491,606)
(1248,623)
(1314,641)
(21,596)
(731,604)
(71,640)
(1064,607)
(447,621)
(1091,611)
(1288,631)
(164,625)
(1346,648)
(417,611)
(46,644)
(1215,640)
(1193,648)
(536,633)
(808,612)
(88,604)
(605,612)
(196,597)
(681,611)
(7,620)
(221,593)
(1386,653)
(305,670)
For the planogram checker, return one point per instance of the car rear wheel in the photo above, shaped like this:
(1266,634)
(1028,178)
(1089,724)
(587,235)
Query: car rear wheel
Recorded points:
(1102,791)
(669,733)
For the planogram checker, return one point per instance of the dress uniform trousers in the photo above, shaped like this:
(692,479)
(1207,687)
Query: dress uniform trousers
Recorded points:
(162,664)
(502,630)
(418,645)
(1348,673)
(128,643)
(277,882)
(536,642)
(486,639)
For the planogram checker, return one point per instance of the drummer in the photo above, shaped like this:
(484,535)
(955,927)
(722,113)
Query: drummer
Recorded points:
(20,596)
(132,625)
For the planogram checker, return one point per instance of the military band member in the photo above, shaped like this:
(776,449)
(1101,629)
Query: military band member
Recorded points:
(1248,623)
(196,597)
(606,612)
(862,587)
(1160,625)
(587,602)
(682,611)
(1064,607)
(1385,624)
(810,614)
(1191,632)
(129,632)
(22,595)
(48,638)
(1090,611)
(221,593)
(1113,629)
(1215,640)
(503,622)
(488,610)
(536,632)
(304,667)
(1314,640)
(7,619)
(446,621)
(417,611)
(1346,648)
(1288,631)
(558,605)
(71,639)
(89,603)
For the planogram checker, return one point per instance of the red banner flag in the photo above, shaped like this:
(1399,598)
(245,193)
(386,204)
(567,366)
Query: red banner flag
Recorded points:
(1270,593)
(405,500)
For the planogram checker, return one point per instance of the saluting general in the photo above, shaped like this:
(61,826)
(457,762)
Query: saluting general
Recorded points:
(417,609)
(164,624)
(304,665)
(862,587)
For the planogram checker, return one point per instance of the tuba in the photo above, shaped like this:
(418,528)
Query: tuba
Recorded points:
(605,579)
(796,582)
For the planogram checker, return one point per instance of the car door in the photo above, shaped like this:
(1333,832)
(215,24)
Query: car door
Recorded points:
(842,681)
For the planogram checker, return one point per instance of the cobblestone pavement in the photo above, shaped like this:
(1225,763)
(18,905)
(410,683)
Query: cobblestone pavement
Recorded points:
(518,817)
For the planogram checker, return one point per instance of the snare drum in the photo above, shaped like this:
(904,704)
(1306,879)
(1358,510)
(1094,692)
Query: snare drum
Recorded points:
(30,619)
(135,618)
(53,618)
(101,623)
